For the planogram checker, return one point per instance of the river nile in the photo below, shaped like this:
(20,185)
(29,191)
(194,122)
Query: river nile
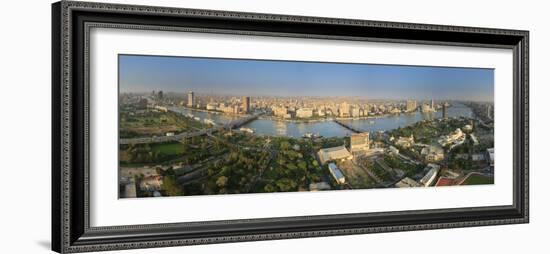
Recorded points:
(328,128)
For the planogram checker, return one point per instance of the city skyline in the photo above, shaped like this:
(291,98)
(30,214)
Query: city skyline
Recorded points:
(141,74)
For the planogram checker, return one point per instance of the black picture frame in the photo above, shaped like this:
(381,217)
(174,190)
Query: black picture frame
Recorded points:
(71,231)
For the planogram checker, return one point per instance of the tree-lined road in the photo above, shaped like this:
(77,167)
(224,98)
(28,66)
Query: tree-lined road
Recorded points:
(185,135)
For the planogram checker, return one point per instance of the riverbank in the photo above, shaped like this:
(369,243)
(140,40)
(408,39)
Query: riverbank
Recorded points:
(274,126)
(296,120)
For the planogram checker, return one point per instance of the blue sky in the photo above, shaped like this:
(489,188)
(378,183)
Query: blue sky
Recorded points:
(290,78)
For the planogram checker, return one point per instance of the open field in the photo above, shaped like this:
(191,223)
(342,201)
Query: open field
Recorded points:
(478,179)
(168,148)
(356,177)
(153,123)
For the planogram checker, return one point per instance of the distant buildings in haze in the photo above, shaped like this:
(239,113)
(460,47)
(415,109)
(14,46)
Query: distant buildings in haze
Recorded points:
(304,113)
(411,106)
(311,107)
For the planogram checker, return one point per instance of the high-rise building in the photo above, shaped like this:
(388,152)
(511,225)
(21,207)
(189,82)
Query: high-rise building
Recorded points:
(426,108)
(190,99)
(355,112)
(444,110)
(280,111)
(304,113)
(344,110)
(411,106)
(359,142)
(366,110)
(246,104)
(432,105)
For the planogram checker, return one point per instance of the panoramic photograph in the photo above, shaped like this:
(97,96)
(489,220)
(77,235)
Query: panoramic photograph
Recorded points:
(206,126)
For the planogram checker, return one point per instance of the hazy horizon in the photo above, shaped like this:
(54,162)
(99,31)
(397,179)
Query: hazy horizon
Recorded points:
(246,77)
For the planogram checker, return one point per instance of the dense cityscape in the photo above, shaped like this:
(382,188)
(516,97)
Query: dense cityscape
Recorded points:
(196,143)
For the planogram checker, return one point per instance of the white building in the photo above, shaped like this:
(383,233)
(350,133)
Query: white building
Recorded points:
(355,112)
(279,111)
(336,173)
(245,129)
(411,106)
(405,142)
(432,153)
(344,110)
(304,113)
(430,177)
(426,108)
(321,112)
(395,111)
(211,106)
(161,108)
(455,137)
(394,150)
(334,153)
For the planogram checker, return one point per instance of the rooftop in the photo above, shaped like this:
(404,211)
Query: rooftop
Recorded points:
(335,170)
(444,181)
(334,153)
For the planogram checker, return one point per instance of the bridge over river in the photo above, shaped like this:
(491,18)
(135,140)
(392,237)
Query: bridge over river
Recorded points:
(347,126)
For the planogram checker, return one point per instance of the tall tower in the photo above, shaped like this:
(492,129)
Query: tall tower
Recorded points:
(433,105)
(190,99)
(444,110)
(246,104)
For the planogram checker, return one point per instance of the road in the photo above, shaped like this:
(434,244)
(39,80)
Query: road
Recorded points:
(162,139)
(199,132)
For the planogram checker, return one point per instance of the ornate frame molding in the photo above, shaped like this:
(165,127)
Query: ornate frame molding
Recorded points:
(71,22)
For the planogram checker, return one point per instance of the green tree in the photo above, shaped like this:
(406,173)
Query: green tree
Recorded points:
(291,166)
(285,145)
(302,165)
(222,182)
(270,188)
(314,163)
(286,184)
(171,186)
